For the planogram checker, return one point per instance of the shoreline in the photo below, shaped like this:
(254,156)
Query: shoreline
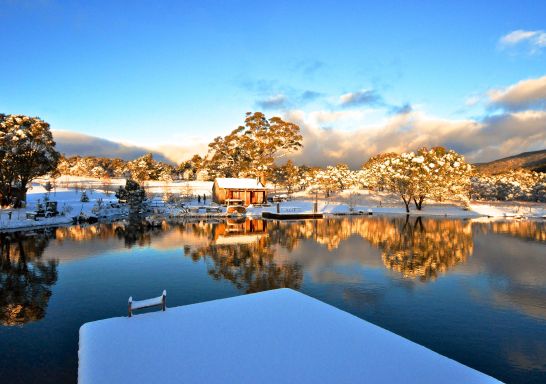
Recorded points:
(64,221)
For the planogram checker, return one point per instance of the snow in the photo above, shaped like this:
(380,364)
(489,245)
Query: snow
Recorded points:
(146,303)
(68,200)
(277,336)
(241,183)
(509,209)
(350,201)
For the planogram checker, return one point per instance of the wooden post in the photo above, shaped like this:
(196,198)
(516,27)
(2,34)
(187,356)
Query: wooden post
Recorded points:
(164,300)
(130,305)
(278,207)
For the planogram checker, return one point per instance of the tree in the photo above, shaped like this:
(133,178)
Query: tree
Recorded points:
(189,168)
(519,184)
(442,173)
(291,172)
(341,176)
(372,173)
(436,173)
(27,150)
(253,147)
(133,194)
(143,168)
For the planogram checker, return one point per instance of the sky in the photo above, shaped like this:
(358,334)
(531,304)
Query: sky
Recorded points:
(359,77)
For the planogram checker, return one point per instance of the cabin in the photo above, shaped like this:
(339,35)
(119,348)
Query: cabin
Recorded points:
(243,191)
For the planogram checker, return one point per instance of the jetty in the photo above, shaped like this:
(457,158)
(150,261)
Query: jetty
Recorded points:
(291,215)
(277,336)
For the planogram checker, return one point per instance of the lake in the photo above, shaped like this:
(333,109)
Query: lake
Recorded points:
(474,291)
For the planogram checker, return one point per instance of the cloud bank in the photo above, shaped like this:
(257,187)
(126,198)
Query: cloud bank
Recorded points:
(485,140)
(73,143)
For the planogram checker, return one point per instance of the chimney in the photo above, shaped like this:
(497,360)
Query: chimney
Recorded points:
(261,178)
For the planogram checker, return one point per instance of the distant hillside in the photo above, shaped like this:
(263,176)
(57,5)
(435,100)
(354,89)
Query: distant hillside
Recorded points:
(534,161)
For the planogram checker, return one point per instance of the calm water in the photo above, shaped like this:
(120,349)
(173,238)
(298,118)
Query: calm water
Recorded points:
(475,292)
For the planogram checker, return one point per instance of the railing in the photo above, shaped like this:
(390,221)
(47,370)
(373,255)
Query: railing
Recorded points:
(141,304)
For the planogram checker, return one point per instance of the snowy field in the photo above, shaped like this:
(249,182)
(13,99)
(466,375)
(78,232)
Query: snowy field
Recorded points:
(68,191)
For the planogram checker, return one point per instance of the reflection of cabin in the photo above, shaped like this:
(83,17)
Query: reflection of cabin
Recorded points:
(233,232)
(239,191)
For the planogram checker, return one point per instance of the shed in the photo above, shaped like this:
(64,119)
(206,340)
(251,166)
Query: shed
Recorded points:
(245,191)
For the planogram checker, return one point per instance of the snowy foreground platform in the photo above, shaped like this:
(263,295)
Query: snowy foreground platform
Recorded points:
(278,336)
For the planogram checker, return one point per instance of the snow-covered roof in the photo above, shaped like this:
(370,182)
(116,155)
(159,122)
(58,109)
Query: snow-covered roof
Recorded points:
(239,183)
(276,336)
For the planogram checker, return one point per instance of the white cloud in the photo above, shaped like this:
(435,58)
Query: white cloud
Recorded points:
(533,41)
(526,94)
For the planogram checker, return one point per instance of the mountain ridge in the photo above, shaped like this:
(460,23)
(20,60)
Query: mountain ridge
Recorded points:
(533,161)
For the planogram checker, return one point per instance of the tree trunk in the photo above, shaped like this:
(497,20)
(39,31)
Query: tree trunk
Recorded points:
(419,202)
(406,203)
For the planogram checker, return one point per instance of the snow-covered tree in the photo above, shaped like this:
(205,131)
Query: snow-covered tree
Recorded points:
(27,150)
(372,174)
(520,184)
(436,173)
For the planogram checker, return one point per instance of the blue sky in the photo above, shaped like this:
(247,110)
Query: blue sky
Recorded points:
(168,74)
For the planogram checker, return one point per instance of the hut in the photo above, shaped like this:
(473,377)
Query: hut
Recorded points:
(244,191)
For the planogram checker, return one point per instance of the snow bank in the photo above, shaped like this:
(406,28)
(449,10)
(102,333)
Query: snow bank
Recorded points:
(278,336)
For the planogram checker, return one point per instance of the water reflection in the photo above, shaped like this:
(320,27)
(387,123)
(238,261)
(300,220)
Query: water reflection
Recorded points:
(246,253)
(425,249)
(414,247)
(486,310)
(25,280)
(241,252)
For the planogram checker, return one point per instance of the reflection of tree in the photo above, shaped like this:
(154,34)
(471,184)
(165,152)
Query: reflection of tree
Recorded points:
(85,232)
(135,231)
(525,229)
(251,267)
(424,249)
(26,281)
(413,247)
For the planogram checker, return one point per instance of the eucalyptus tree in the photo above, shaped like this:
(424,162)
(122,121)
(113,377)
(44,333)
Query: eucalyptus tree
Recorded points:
(252,148)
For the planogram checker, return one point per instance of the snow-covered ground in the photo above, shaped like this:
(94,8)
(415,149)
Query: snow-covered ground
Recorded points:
(68,191)
(68,205)
(178,186)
